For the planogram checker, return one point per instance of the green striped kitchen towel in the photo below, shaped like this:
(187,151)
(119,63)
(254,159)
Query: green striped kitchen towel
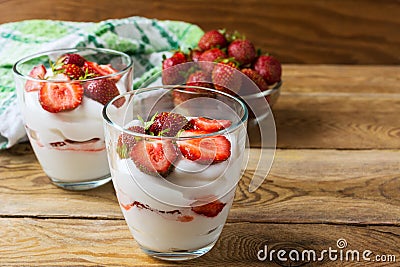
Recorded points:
(145,40)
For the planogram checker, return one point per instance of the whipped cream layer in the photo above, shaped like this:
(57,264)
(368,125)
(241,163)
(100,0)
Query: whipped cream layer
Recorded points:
(160,211)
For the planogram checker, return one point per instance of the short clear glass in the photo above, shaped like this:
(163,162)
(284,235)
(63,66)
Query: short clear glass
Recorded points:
(69,142)
(175,208)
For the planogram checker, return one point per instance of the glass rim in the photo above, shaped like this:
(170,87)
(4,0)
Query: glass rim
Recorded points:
(230,129)
(65,50)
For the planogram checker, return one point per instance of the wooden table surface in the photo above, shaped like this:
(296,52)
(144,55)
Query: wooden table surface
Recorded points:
(336,175)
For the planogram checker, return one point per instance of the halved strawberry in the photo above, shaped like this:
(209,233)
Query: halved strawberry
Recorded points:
(211,209)
(154,157)
(207,150)
(127,141)
(59,96)
(37,72)
(209,125)
(99,70)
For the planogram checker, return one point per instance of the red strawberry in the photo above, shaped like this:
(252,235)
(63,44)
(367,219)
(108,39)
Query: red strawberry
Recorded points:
(167,124)
(205,150)
(195,54)
(154,157)
(101,90)
(170,73)
(95,69)
(60,96)
(75,59)
(37,72)
(72,71)
(269,68)
(211,55)
(209,125)
(257,79)
(212,39)
(127,141)
(242,50)
(211,209)
(199,78)
(226,78)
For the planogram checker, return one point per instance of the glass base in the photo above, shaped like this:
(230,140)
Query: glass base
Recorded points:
(80,186)
(181,255)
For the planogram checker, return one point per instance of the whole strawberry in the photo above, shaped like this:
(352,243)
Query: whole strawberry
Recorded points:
(101,90)
(194,54)
(167,124)
(75,59)
(73,71)
(199,78)
(242,50)
(269,68)
(226,77)
(170,73)
(211,39)
(256,78)
(210,55)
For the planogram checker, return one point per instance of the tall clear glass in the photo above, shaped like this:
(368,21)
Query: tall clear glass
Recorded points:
(177,207)
(69,141)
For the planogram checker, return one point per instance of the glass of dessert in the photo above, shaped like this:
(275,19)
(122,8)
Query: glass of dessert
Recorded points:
(61,94)
(175,165)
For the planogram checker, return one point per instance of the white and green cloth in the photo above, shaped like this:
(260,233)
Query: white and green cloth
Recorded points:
(145,40)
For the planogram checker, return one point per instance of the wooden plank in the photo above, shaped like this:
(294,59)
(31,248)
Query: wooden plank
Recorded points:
(339,121)
(77,242)
(335,32)
(341,79)
(304,186)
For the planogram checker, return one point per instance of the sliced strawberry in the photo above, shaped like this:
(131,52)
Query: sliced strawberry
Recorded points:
(99,70)
(101,90)
(58,96)
(205,150)
(211,209)
(209,125)
(38,72)
(127,141)
(154,157)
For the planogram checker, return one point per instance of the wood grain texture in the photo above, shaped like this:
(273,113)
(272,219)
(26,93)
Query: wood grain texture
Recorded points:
(303,186)
(77,242)
(296,31)
(325,120)
(341,79)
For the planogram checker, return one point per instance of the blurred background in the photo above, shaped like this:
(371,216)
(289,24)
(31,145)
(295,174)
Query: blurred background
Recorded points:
(296,31)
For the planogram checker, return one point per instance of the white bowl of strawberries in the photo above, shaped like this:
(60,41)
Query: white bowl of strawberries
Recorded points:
(229,63)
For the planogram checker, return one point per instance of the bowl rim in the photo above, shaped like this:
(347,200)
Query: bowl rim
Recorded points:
(274,89)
